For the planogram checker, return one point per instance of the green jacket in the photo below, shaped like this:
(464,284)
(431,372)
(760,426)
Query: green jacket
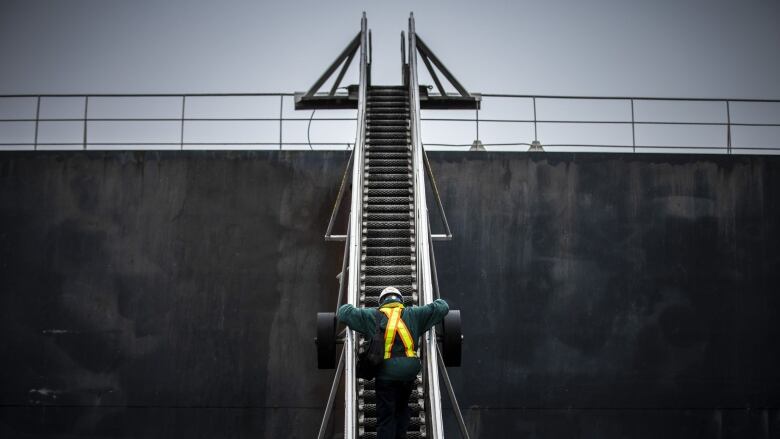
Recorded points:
(418,319)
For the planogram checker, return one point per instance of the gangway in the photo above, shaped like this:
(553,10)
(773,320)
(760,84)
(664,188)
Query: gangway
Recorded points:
(388,240)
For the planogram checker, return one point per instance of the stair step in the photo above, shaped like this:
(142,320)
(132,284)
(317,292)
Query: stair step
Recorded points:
(388,200)
(405,250)
(370,409)
(371,394)
(388,141)
(388,224)
(387,122)
(376,116)
(387,216)
(409,435)
(380,90)
(393,147)
(388,177)
(381,135)
(388,97)
(387,260)
(391,192)
(370,423)
(387,233)
(387,207)
(394,241)
(389,162)
(395,184)
(393,155)
(385,270)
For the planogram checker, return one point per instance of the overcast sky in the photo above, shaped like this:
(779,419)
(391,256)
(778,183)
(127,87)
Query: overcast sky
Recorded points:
(700,48)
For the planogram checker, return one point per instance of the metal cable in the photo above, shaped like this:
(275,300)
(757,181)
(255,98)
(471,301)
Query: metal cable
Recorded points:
(308,130)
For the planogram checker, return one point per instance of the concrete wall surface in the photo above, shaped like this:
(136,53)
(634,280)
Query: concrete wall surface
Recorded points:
(173,294)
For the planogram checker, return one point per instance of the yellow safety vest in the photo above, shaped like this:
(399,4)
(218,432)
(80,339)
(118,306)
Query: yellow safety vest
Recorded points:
(395,325)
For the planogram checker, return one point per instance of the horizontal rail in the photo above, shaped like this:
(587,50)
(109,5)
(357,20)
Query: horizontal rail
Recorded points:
(349,145)
(352,119)
(623,98)
(277,94)
(176,119)
(597,146)
(141,95)
(124,121)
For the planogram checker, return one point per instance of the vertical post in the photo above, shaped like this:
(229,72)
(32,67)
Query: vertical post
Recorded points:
(404,79)
(281,106)
(633,127)
(86,113)
(37,117)
(181,134)
(728,128)
(536,134)
(477,119)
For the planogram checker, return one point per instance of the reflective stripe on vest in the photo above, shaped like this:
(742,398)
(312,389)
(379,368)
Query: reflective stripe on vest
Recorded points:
(396,325)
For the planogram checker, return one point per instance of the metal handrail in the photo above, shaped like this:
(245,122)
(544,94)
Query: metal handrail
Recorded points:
(422,231)
(355,238)
(337,205)
(33,112)
(447,232)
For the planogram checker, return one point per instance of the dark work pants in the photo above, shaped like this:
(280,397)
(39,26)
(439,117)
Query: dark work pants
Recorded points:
(392,408)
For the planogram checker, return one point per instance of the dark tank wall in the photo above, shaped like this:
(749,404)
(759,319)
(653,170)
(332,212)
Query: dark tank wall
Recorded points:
(615,296)
(173,294)
(165,295)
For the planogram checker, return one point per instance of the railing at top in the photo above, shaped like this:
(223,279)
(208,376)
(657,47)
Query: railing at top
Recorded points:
(632,124)
(505,122)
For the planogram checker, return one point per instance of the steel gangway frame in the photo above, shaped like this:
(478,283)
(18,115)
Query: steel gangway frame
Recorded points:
(424,286)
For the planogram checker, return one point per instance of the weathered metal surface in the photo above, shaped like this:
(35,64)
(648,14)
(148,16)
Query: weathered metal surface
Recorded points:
(164,294)
(614,295)
(171,294)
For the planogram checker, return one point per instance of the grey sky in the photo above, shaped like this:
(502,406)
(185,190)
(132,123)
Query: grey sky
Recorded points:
(667,48)
(711,49)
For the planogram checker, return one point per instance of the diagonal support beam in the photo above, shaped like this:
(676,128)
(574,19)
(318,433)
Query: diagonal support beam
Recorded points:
(447,232)
(331,397)
(347,53)
(433,74)
(341,74)
(425,51)
(328,233)
(464,432)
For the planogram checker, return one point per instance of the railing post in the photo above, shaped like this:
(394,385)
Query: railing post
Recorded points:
(281,106)
(476,111)
(536,133)
(37,118)
(728,128)
(633,126)
(86,113)
(181,134)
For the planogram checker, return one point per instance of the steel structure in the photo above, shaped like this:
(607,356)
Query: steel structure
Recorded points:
(388,241)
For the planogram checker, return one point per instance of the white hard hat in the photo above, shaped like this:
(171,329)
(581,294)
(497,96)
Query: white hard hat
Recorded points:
(388,292)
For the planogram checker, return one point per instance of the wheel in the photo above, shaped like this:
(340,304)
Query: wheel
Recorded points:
(452,339)
(326,340)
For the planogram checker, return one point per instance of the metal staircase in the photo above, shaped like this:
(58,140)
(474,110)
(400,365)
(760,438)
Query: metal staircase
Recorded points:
(388,229)
(388,242)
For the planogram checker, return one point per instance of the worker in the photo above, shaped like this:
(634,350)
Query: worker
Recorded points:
(402,328)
